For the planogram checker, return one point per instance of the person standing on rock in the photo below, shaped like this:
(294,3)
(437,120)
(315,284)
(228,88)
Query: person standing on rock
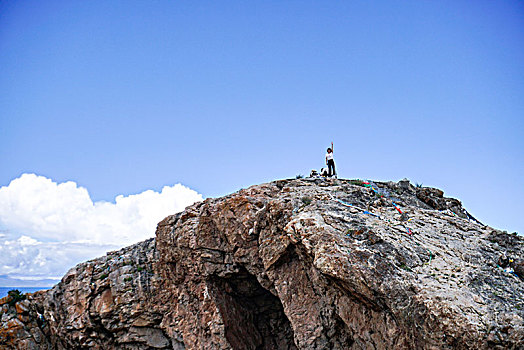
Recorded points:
(330,162)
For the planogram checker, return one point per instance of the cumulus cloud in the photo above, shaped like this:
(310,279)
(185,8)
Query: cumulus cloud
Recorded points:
(47,227)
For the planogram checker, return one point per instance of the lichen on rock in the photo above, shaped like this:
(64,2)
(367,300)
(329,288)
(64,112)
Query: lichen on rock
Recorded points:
(263,268)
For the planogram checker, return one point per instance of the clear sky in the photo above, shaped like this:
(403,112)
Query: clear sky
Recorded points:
(125,96)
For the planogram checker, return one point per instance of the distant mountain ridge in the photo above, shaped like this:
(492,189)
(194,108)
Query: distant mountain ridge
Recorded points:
(293,264)
(6,282)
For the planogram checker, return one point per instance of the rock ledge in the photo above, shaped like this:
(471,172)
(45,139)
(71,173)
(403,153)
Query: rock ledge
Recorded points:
(292,264)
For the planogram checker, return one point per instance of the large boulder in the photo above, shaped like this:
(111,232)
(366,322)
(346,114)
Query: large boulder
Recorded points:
(293,264)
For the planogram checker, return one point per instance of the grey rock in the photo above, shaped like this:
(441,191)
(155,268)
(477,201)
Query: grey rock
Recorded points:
(263,268)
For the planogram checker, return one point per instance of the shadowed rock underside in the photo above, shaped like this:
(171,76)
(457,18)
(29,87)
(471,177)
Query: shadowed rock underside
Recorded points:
(292,264)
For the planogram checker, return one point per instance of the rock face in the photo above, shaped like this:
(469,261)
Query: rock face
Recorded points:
(292,264)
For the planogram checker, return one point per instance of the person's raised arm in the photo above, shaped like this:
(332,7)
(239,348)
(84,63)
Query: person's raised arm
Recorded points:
(332,147)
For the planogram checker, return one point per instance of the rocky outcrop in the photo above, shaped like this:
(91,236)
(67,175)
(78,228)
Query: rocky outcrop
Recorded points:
(102,303)
(293,264)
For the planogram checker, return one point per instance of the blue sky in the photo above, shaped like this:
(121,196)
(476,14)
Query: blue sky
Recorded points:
(125,96)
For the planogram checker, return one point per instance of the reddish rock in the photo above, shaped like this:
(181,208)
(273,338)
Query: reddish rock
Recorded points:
(293,264)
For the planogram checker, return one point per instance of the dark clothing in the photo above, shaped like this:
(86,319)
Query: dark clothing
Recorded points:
(331,167)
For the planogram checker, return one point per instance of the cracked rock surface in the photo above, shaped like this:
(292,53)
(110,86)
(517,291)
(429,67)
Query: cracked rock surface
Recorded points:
(292,264)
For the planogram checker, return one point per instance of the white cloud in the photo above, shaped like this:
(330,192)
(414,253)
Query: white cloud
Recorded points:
(48,227)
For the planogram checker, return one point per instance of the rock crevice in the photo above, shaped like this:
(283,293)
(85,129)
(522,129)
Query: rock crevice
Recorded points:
(293,264)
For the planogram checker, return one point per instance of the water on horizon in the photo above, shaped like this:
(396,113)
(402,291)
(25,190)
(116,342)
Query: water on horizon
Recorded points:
(5,290)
